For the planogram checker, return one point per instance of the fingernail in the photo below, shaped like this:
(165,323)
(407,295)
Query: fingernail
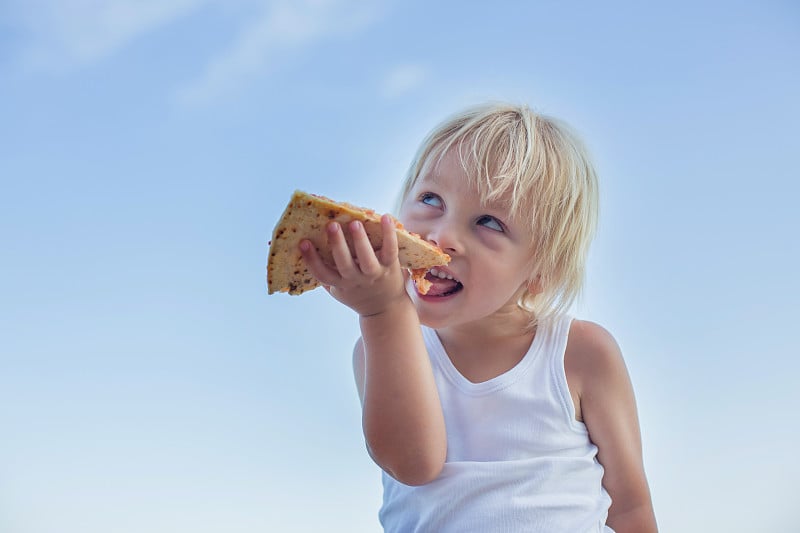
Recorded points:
(305,246)
(355,225)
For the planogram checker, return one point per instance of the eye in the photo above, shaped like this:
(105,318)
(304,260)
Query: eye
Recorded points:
(428,198)
(491,223)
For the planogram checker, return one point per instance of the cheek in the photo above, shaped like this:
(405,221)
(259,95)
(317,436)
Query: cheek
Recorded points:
(499,244)
(412,219)
(404,212)
(508,273)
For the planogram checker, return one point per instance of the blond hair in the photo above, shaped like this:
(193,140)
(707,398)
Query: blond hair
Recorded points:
(541,166)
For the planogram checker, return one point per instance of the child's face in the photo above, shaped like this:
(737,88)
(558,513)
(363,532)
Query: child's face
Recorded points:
(490,252)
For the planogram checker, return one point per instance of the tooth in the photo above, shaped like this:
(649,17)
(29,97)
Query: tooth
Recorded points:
(440,274)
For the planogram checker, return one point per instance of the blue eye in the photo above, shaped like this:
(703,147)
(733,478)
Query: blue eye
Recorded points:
(491,223)
(431,199)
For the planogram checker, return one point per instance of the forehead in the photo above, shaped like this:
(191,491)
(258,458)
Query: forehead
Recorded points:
(452,172)
(445,169)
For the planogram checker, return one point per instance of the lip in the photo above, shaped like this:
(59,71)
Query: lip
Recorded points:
(435,299)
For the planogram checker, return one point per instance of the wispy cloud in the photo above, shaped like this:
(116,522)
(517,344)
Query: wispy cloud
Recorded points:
(282,26)
(402,79)
(61,35)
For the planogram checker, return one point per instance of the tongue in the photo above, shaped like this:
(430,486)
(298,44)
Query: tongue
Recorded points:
(440,287)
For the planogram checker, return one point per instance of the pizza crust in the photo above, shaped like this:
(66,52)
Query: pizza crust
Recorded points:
(306,217)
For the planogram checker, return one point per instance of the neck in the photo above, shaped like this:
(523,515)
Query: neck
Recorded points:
(511,325)
(484,350)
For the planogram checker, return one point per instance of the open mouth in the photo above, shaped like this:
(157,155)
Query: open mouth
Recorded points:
(442,283)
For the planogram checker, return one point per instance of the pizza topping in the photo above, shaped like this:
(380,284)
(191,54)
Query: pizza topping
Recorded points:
(418,276)
(423,285)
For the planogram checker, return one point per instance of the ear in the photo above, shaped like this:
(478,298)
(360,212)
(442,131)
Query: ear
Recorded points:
(535,285)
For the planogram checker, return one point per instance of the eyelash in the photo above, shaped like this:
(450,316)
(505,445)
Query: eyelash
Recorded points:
(500,228)
(427,196)
(424,197)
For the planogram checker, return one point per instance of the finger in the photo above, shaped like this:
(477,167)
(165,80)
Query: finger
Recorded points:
(341,251)
(322,272)
(388,253)
(367,261)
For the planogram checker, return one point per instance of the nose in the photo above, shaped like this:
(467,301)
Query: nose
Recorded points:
(445,237)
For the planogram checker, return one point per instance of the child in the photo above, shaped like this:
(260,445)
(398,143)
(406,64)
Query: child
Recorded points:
(488,408)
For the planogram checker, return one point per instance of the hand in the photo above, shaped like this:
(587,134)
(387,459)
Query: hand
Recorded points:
(368,283)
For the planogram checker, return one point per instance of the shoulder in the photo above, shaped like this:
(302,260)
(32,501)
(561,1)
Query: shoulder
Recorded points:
(591,347)
(359,364)
(608,408)
(358,349)
(592,358)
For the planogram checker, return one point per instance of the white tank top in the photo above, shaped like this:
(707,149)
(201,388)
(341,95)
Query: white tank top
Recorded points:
(517,460)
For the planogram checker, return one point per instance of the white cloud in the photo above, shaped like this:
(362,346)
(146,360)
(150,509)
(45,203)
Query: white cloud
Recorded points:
(283,25)
(63,35)
(402,79)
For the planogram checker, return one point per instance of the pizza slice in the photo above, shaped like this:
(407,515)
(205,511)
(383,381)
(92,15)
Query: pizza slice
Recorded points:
(306,217)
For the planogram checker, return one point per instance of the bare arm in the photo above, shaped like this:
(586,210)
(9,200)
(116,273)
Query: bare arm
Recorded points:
(402,416)
(607,406)
(401,413)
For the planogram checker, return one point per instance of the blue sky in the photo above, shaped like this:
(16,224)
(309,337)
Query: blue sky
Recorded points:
(147,381)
